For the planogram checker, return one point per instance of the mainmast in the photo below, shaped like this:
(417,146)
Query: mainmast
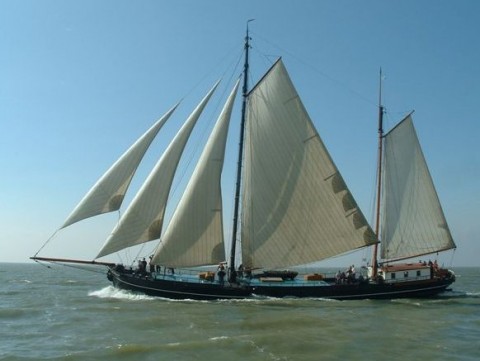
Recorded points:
(381,111)
(233,272)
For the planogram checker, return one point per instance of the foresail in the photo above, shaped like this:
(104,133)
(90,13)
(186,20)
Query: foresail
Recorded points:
(413,222)
(143,219)
(296,206)
(108,193)
(194,236)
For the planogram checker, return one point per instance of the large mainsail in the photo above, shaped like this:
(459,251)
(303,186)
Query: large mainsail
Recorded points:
(108,193)
(413,222)
(143,219)
(194,236)
(296,207)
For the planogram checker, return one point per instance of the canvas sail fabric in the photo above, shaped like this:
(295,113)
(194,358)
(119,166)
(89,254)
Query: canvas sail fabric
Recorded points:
(108,193)
(413,222)
(143,219)
(194,236)
(296,208)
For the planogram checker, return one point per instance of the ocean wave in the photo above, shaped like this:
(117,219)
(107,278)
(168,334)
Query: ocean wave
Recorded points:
(408,301)
(115,293)
(134,349)
(20,281)
(219,338)
(72,283)
(451,298)
(12,313)
(458,295)
(257,300)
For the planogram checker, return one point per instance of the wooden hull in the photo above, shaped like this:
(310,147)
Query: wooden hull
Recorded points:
(183,287)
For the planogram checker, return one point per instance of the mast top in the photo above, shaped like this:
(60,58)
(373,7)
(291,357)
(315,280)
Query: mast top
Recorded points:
(246,65)
(381,108)
(380,87)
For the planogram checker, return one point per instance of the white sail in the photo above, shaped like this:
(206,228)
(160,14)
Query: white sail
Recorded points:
(143,219)
(194,236)
(413,222)
(108,193)
(296,206)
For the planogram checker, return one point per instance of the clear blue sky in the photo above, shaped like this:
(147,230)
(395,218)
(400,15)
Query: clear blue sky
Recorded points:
(80,80)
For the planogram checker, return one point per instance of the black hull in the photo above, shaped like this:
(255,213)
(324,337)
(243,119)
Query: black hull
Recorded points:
(359,291)
(178,288)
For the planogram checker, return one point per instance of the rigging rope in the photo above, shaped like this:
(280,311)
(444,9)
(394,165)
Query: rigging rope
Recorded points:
(48,240)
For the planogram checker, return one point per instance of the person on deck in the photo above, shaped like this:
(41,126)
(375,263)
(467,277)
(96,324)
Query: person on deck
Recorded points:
(240,271)
(139,267)
(221,273)
(152,266)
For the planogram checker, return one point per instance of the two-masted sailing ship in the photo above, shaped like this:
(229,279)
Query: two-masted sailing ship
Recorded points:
(292,207)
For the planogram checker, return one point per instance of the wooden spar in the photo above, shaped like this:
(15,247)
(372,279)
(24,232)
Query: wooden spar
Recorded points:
(233,273)
(66,260)
(379,177)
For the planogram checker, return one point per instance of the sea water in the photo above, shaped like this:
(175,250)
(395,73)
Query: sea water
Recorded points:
(63,313)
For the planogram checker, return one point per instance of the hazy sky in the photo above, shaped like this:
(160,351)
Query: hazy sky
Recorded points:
(81,80)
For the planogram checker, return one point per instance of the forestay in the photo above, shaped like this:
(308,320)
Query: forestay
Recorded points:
(413,222)
(296,206)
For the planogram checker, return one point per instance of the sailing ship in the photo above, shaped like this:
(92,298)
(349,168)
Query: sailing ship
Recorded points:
(292,207)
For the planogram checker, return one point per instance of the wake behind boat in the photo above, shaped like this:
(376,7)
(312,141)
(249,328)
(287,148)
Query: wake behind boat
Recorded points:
(292,207)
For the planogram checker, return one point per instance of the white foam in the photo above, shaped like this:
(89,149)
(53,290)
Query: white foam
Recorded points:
(112,292)
(219,338)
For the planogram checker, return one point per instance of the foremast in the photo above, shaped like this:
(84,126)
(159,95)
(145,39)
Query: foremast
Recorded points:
(381,111)
(233,273)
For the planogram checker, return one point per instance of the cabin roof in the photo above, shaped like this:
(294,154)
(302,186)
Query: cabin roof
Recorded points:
(404,267)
